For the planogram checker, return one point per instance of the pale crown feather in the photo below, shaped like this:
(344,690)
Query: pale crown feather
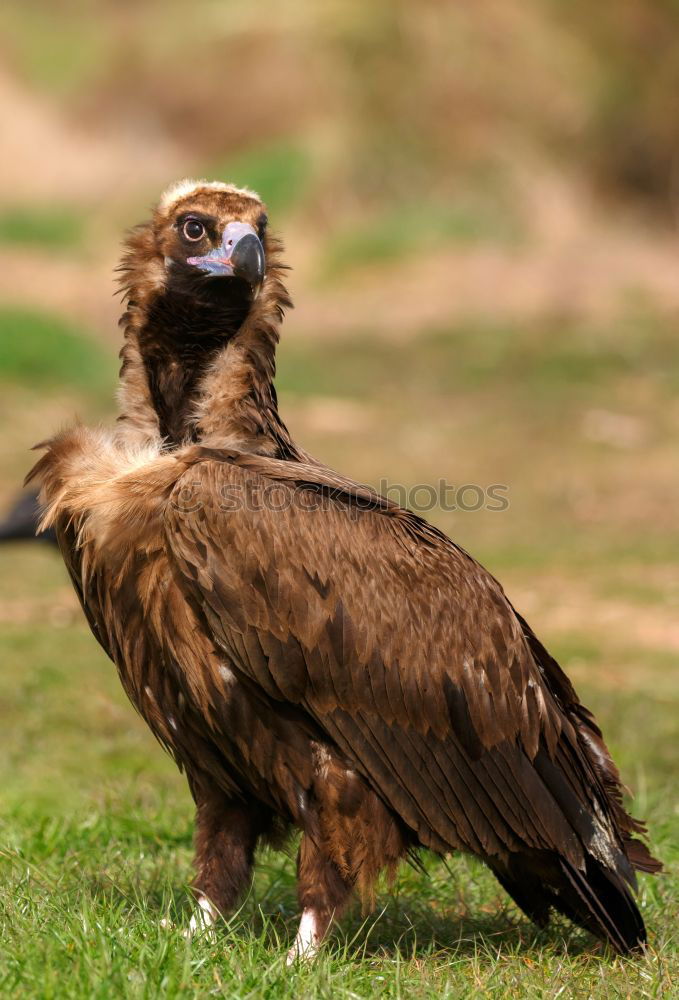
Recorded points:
(181,189)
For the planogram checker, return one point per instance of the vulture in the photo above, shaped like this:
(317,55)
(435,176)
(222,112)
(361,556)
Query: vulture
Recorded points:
(313,655)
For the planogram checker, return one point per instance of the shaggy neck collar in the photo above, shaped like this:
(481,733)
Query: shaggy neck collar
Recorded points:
(198,371)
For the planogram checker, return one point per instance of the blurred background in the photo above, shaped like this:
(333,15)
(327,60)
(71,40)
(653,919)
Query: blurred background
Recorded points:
(480,203)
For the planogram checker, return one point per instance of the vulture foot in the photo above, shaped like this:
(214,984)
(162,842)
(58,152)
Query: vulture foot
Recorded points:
(309,936)
(202,922)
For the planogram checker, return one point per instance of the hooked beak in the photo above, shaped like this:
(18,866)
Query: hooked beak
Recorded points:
(241,255)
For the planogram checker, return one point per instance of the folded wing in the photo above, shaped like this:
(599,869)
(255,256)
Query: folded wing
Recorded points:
(408,655)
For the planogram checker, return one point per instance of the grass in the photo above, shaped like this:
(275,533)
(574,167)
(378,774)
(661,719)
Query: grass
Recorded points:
(43,350)
(555,354)
(59,50)
(96,824)
(51,228)
(402,229)
(278,171)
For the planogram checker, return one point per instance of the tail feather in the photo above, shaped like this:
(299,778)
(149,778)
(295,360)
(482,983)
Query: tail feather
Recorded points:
(591,747)
(603,904)
(596,899)
(640,857)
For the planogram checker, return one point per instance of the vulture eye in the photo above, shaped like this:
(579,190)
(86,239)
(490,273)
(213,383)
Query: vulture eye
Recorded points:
(193,230)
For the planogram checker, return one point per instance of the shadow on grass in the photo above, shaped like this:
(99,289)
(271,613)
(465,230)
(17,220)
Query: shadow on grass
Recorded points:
(136,872)
(139,871)
(456,936)
(417,934)
(396,930)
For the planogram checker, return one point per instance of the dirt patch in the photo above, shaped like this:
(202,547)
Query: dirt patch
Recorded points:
(574,262)
(48,157)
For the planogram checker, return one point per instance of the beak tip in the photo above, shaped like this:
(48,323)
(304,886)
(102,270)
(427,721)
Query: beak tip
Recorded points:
(247,259)
(240,255)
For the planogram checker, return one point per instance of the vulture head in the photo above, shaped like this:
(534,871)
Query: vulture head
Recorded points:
(204,239)
(201,270)
(212,231)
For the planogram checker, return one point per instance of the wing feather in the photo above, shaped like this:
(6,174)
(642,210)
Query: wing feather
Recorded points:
(401,648)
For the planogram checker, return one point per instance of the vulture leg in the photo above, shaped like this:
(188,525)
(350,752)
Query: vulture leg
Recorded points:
(323,892)
(227,831)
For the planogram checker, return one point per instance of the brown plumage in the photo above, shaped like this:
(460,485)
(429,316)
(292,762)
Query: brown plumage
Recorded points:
(309,652)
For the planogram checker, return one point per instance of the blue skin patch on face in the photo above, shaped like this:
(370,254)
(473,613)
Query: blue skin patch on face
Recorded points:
(213,262)
(224,259)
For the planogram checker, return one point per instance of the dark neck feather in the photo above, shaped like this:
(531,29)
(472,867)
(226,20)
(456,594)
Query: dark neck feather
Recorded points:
(237,401)
(201,367)
(181,337)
